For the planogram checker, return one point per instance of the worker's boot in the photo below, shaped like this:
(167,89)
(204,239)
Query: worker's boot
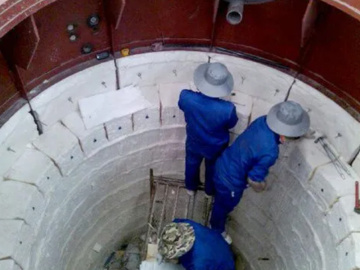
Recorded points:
(190,192)
(226,237)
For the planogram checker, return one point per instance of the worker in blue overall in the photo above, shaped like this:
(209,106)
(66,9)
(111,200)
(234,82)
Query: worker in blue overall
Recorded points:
(247,161)
(208,120)
(196,246)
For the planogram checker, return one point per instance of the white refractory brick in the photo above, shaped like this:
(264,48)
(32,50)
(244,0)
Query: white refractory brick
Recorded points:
(155,73)
(7,264)
(155,68)
(169,97)
(260,107)
(160,57)
(61,98)
(119,127)
(148,118)
(348,254)
(23,246)
(304,158)
(62,146)
(90,139)
(356,164)
(9,236)
(256,79)
(341,129)
(15,198)
(342,218)
(31,168)
(356,250)
(35,210)
(327,185)
(243,104)
(15,136)
(102,108)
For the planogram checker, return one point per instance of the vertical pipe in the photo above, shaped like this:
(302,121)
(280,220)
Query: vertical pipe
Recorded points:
(234,14)
(357,202)
(150,218)
(163,209)
(176,202)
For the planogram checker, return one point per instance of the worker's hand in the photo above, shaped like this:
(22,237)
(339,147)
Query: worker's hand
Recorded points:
(257,186)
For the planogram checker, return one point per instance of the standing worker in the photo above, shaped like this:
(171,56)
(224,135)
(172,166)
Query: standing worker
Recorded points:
(208,120)
(196,246)
(248,159)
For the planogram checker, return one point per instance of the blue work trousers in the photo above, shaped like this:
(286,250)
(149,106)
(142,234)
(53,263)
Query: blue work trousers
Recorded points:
(195,154)
(225,200)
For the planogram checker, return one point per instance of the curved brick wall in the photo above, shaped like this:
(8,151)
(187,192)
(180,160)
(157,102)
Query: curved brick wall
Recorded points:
(69,196)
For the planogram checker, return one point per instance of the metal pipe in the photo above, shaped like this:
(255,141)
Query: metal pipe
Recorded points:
(357,200)
(235,10)
(163,210)
(176,202)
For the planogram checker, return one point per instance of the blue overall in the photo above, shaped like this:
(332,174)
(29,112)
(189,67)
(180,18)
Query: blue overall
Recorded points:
(208,121)
(250,156)
(209,252)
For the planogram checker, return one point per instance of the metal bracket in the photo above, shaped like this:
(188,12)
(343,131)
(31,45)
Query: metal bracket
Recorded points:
(37,121)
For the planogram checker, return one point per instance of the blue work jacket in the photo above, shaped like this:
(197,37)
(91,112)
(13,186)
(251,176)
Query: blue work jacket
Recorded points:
(209,252)
(208,119)
(251,155)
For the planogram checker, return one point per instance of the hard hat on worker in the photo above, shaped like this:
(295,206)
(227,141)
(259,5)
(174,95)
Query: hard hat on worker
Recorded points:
(176,239)
(213,80)
(288,119)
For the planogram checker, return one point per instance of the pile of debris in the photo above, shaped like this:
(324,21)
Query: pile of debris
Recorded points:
(128,257)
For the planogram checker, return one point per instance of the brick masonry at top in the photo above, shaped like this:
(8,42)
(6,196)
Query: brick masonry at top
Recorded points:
(304,221)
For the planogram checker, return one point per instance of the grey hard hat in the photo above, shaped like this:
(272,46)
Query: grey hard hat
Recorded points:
(213,80)
(289,119)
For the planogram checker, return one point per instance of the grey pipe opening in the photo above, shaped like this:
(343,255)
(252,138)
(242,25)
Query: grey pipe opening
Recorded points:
(234,14)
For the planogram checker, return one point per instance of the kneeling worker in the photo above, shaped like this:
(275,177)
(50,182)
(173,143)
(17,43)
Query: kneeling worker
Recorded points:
(196,246)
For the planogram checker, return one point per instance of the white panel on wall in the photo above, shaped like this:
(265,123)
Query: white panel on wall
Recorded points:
(102,108)
(62,98)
